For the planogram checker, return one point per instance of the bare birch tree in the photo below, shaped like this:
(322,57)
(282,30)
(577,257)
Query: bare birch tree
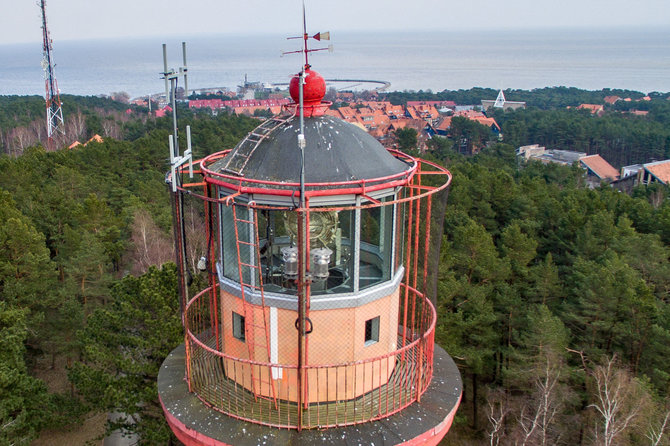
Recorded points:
(111,128)
(658,427)
(619,400)
(20,139)
(75,128)
(150,246)
(497,410)
(39,130)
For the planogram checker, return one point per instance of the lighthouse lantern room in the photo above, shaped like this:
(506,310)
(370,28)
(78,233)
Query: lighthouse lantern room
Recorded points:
(317,313)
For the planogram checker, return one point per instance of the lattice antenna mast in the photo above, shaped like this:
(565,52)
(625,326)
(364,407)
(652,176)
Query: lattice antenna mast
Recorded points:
(55,123)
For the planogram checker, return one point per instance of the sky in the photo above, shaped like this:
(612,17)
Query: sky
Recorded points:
(102,19)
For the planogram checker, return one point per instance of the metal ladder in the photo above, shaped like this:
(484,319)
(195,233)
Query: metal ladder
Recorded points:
(239,157)
(255,284)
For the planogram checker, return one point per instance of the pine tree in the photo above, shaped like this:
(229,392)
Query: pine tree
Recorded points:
(124,345)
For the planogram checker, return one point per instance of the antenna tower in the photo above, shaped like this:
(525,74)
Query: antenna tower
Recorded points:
(55,123)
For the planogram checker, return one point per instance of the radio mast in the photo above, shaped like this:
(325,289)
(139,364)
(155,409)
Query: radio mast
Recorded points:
(55,123)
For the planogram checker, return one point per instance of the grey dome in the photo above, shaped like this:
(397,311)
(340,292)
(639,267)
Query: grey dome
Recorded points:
(335,151)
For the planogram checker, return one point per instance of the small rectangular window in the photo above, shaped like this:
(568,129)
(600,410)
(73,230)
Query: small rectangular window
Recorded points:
(238,326)
(372,331)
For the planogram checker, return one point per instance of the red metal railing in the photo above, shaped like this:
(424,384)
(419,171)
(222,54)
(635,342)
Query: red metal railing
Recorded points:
(340,392)
(337,394)
(359,186)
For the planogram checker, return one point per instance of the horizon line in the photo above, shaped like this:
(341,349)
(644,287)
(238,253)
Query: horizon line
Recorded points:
(487,30)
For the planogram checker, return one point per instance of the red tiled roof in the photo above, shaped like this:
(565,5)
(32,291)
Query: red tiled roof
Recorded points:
(95,138)
(444,125)
(378,132)
(163,111)
(592,107)
(489,122)
(434,103)
(423,111)
(334,113)
(375,105)
(218,103)
(250,109)
(395,110)
(660,169)
(611,99)
(416,124)
(601,168)
(470,114)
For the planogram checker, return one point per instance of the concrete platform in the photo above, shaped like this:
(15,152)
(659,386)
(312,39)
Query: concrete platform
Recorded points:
(423,423)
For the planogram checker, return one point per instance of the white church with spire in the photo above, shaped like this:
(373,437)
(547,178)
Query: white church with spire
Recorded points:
(501,102)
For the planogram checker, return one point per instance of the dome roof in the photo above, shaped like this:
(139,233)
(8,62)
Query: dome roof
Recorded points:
(335,151)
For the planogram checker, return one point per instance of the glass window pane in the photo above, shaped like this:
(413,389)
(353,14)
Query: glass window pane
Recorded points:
(330,229)
(238,326)
(334,230)
(372,331)
(376,244)
(273,236)
(245,234)
(229,247)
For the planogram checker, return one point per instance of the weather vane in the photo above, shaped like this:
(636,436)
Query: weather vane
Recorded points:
(305,37)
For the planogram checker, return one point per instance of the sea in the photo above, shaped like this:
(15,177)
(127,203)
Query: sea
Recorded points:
(635,59)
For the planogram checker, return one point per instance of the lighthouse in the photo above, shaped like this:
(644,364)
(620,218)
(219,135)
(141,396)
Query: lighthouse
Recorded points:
(317,325)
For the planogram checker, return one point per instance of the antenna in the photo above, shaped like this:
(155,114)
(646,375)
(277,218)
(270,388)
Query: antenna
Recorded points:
(176,161)
(171,76)
(55,123)
(184,70)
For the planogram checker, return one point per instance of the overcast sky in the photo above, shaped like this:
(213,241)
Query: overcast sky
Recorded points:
(92,19)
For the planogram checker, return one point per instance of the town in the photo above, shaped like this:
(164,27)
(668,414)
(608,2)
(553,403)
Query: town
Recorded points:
(425,120)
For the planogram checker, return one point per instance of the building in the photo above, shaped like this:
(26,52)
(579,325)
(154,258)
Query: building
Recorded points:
(501,102)
(595,109)
(544,155)
(317,326)
(656,172)
(598,170)
(632,170)
(611,100)
(240,106)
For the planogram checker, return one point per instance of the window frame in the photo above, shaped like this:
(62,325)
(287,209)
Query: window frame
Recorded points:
(372,329)
(238,327)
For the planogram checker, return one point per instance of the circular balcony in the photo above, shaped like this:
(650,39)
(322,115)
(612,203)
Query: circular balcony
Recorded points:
(337,394)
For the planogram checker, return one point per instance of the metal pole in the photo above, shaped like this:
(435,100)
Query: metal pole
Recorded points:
(165,73)
(301,139)
(183,50)
(302,279)
(173,88)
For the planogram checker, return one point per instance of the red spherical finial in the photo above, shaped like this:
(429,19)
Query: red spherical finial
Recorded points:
(313,91)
